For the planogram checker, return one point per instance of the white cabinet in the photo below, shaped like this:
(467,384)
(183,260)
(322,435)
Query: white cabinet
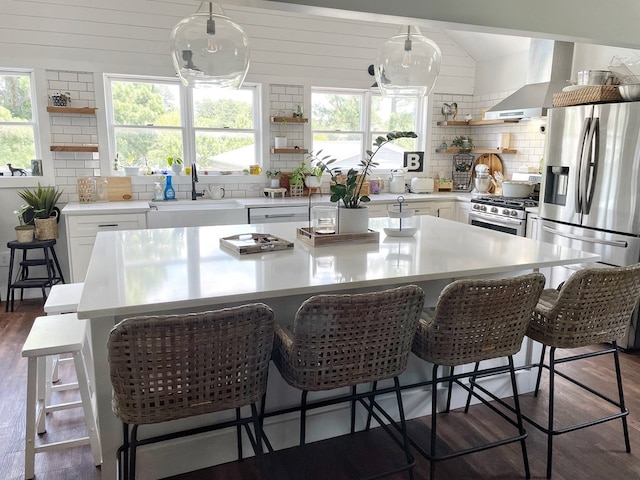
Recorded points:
(435,209)
(378,210)
(462,211)
(532,226)
(81,235)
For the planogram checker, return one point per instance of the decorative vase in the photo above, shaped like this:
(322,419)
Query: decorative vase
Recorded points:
(274,183)
(177,168)
(24,233)
(353,220)
(280,142)
(296,190)
(46,228)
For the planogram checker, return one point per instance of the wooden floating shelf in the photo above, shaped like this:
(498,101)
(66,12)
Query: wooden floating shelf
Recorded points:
(474,123)
(76,110)
(289,150)
(477,150)
(73,148)
(289,120)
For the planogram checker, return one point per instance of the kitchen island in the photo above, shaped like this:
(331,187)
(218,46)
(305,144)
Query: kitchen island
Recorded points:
(140,272)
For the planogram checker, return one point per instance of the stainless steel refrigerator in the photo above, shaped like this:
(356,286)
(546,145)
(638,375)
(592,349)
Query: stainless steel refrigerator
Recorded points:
(591,187)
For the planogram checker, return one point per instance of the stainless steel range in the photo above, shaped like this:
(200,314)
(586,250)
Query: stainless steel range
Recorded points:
(502,214)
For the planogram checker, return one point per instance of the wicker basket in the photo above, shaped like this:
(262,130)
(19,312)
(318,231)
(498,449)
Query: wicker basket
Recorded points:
(46,228)
(591,94)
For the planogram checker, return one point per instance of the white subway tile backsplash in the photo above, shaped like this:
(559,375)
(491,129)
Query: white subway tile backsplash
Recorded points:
(68,76)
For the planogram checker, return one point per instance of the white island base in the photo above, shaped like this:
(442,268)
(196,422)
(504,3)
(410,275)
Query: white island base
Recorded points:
(179,270)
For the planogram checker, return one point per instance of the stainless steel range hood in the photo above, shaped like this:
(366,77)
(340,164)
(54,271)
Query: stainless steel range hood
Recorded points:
(549,69)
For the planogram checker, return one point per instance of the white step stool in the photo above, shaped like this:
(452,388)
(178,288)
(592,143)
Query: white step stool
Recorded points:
(55,335)
(63,298)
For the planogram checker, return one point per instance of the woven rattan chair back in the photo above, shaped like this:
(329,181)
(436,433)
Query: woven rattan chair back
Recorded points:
(341,340)
(476,320)
(593,306)
(175,366)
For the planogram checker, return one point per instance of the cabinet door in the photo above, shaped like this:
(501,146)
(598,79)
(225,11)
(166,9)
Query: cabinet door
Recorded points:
(446,210)
(532,226)
(377,211)
(80,249)
(462,211)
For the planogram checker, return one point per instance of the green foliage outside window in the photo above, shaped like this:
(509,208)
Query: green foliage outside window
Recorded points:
(17,142)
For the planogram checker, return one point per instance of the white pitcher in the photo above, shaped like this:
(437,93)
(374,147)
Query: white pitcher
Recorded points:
(215,192)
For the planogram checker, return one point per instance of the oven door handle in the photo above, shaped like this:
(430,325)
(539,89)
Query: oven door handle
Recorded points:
(581,238)
(489,218)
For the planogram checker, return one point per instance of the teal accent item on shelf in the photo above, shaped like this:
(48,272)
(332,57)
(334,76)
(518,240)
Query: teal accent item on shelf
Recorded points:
(169,192)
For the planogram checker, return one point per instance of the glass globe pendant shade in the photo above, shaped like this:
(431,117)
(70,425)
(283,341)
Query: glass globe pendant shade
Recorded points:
(407,64)
(209,49)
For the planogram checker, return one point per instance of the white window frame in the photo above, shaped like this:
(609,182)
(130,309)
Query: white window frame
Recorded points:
(37,119)
(187,128)
(365,119)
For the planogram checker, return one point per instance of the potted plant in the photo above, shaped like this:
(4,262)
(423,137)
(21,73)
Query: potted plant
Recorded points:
(60,99)
(465,144)
(296,180)
(316,169)
(24,231)
(175,163)
(274,178)
(45,213)
(347,189)
(281,139)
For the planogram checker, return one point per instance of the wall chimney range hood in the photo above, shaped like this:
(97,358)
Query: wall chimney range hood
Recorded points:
(549,69)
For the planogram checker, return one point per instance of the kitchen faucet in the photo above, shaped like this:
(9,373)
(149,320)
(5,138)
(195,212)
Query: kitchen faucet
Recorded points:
(194,179)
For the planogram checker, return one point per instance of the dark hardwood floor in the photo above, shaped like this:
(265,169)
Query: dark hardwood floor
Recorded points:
(593,453)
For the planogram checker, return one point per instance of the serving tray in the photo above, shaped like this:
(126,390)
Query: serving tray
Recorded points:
(247,243)
(308,236)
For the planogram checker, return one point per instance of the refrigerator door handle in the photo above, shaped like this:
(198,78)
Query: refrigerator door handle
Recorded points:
(591,168)
(612,243)
(582,151)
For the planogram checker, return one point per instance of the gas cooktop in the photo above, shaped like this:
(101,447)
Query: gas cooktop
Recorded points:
(502,206)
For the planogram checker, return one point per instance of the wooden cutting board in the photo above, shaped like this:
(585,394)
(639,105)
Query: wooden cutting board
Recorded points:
(494,163)
(119,189)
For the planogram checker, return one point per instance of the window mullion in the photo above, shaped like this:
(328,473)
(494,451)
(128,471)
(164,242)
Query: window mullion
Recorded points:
(188,129)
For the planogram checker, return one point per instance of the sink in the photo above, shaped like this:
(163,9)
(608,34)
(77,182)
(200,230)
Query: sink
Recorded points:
(198,213)
(191,205)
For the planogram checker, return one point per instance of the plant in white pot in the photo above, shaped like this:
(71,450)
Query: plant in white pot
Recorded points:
(24,230)
(274,178)
(280,140)
(347,190)
(175,163)
(316,169)
(45,213)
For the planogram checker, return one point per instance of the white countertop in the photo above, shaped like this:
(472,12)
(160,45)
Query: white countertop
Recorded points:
(141,206)
(140,271)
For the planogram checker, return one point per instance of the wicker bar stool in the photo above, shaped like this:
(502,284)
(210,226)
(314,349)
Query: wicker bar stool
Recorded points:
(473,321)
(170,367)
(593,306)
(346,340)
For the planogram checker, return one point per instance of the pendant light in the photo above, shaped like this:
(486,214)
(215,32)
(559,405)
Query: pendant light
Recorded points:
(407,64)
(209,49)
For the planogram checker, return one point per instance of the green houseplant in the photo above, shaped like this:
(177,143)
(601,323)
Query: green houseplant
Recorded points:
(43,201)
(347,189)
(465,144)
(274,178)
(24,231)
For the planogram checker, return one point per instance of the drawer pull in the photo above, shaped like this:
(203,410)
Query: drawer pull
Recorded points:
(108,225)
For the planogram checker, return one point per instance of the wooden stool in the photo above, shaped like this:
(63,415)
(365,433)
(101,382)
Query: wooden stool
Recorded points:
(55,335)
(63,298)
(272,192)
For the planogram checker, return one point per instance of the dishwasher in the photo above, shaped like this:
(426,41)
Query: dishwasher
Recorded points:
(298,213)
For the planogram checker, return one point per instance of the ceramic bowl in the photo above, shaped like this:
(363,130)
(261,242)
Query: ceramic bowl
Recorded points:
(132,171)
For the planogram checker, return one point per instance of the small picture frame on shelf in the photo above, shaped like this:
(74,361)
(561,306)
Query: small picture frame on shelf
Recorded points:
(36,168)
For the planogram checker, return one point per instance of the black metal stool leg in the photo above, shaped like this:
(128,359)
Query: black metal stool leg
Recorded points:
(516,404)
(471,383)
(353,409)
(434,411)
(540,367)
(303,417)
(239,433)
(625,428)
(552,369)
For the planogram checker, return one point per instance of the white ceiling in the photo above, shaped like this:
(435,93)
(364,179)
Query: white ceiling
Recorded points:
(486,46)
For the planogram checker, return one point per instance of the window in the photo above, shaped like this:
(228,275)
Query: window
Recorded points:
(17,121)
(153,119)
(344,121)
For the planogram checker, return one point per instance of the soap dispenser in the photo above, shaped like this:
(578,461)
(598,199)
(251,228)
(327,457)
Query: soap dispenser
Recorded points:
(157,192)
(169,192)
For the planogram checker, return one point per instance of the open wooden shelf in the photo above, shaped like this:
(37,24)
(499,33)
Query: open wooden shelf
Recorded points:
(478,150)
(73,148)
(476,123)
(76,110)
(289,150)
(289,120)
